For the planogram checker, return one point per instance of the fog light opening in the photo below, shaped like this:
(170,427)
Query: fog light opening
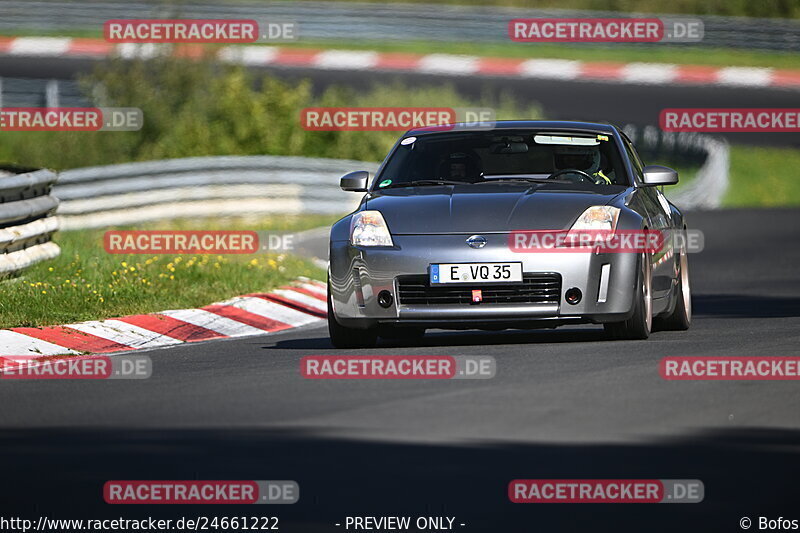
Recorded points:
(573,296)
(385,299)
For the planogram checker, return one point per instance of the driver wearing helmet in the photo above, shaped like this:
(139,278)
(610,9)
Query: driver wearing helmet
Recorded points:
(581,158)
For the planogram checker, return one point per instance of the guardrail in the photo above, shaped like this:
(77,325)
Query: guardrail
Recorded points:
(26,221)
(30,92)
(374,21)
(709,185)
(203,186)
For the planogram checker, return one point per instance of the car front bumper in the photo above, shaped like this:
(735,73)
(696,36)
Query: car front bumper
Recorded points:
(358,274)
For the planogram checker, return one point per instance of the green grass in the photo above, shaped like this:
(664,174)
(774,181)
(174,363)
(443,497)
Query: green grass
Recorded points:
(86,283)
(686,174)
(763,177)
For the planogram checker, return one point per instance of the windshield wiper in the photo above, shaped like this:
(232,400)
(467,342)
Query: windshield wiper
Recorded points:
(414,183)
(515,178)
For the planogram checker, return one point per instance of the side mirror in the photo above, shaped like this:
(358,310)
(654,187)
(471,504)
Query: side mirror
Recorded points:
(658,175)
(355,181)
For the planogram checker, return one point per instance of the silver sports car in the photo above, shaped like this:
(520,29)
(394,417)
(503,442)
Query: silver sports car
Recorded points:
(474,227)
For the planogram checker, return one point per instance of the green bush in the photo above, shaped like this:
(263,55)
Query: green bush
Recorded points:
(198,108)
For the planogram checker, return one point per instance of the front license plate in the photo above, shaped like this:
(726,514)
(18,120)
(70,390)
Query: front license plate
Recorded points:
(476,273)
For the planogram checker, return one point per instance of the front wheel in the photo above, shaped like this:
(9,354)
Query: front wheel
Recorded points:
(639,325)
(344,337)
(681,318)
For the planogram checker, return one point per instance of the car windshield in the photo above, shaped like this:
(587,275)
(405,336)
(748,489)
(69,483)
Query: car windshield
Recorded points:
(484,156)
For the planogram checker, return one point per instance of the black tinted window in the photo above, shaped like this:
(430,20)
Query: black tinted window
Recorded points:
(483,155)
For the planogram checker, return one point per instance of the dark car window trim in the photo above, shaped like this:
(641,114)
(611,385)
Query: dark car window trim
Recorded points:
(633,160)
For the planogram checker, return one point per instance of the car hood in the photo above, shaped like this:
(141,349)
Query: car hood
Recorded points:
(487,208)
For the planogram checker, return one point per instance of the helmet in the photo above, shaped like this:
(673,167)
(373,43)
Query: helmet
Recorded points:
(577,157)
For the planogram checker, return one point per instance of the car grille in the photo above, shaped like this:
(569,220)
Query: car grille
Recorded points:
(534,289)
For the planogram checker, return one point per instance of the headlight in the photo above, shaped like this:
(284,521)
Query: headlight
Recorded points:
(598,217)
(367,228)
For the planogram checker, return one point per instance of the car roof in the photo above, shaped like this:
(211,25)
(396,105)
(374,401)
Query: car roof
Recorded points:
(553,125)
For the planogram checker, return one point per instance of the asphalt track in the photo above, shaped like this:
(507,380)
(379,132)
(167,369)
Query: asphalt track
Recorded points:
(564,404)
(638,104)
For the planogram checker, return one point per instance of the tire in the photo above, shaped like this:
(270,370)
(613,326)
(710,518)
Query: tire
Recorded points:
(681,317)
(640,324)
(344,337)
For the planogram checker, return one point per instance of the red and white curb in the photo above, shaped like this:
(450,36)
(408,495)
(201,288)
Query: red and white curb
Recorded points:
(303,302)
(443,64)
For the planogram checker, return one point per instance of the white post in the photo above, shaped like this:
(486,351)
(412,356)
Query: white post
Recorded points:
(51,94)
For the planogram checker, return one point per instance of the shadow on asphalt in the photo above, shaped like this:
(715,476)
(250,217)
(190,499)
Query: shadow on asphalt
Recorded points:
(60,473)
(464,338)
(742,306)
